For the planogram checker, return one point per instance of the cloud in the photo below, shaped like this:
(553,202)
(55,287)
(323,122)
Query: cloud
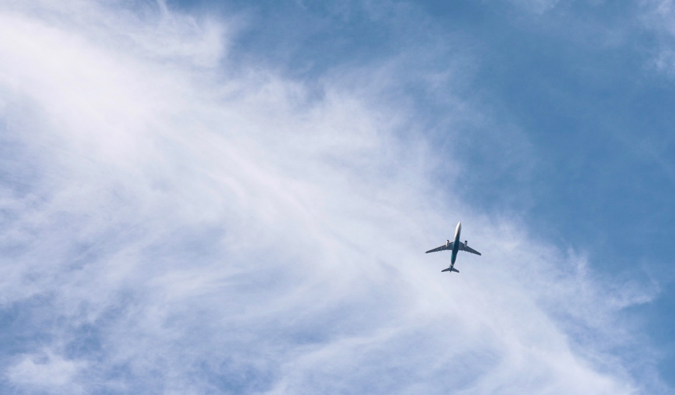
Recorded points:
(173,226)
(659,17)
(45,372)
(536,6)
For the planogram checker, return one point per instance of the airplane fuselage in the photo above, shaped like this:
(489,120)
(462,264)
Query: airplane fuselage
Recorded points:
(455,245)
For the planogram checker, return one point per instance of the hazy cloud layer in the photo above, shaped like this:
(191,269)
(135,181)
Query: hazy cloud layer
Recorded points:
(173,226)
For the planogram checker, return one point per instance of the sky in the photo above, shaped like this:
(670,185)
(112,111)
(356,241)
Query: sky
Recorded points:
(234,197)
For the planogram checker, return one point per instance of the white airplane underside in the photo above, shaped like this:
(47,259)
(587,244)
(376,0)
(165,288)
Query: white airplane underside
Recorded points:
(454,246)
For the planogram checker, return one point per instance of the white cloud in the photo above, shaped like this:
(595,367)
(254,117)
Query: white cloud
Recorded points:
(536,6)
(221,233)
(659,16)
(46,372)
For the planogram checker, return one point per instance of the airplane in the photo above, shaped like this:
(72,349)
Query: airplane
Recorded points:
(455,247)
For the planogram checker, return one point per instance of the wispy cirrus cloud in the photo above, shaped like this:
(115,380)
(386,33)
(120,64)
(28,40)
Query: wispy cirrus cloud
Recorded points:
(536,6)
(171,226)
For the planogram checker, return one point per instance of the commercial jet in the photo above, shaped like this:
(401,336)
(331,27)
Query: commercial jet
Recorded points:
(455,246)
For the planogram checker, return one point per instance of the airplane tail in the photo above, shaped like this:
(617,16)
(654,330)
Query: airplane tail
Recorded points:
(450,269)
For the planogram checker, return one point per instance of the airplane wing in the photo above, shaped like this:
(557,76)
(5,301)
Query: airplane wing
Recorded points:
(441,248)
(466,248)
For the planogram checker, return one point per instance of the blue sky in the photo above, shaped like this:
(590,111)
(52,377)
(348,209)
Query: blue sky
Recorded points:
(227,197)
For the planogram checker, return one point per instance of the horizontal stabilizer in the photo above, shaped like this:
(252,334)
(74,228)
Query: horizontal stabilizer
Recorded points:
(450,269)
